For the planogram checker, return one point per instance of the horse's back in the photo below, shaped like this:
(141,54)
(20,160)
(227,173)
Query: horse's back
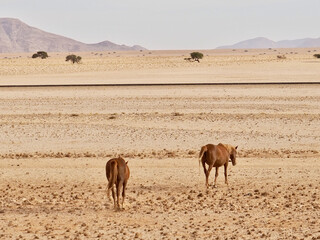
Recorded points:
(211,148)
(222,152)
(209,156)
(216,155)
(225,149)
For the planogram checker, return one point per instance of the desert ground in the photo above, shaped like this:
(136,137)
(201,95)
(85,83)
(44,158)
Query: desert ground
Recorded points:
(55,142)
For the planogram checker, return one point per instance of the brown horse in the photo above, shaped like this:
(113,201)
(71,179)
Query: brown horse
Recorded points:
(118,173)
(216,156)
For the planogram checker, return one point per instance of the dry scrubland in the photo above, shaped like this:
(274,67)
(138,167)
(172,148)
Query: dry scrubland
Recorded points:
(162,66)
(55,142)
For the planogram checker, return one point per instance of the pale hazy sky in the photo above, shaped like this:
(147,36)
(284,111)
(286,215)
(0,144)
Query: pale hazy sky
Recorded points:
(169,24)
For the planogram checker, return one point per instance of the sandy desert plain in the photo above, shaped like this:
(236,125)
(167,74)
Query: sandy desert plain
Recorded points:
(55,142)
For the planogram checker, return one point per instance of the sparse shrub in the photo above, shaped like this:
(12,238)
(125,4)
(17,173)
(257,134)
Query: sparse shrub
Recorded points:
(40,54)
(281,57)
(191,152)
(317,55)
(196,56)
(177,114)
(73,58)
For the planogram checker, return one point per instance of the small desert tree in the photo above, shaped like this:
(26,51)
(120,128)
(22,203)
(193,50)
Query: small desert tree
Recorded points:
(40,54)
(73,58)
(316,55)
(196,56)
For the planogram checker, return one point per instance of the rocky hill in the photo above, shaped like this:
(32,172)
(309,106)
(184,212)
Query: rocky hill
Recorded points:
(16,36)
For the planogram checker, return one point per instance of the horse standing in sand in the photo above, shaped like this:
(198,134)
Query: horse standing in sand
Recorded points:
(216,156)
(118,173)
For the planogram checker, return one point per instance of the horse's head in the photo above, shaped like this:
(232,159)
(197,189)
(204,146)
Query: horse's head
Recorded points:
(233,155)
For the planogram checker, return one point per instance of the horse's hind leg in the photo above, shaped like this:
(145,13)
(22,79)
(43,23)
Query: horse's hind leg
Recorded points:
(123,192)
(205,172)
(207,175)
(113,196)
(216,176)
(119,184)
(225,174)
(108,194)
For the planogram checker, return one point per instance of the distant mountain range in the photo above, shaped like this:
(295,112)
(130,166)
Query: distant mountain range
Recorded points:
(16,36)
(262,42)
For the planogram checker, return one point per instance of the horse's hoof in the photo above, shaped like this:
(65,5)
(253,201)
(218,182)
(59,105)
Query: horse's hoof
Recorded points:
(117,209)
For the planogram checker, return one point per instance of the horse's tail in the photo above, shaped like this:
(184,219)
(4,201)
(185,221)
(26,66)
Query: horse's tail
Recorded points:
(113,173)
(202,152)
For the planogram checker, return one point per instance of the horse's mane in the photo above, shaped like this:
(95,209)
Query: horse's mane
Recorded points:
(228,147)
